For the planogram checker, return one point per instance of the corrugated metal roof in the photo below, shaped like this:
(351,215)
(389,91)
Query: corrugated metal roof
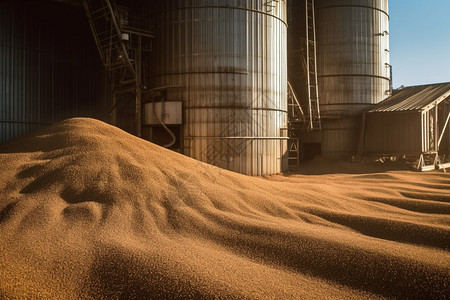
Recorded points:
(420,98)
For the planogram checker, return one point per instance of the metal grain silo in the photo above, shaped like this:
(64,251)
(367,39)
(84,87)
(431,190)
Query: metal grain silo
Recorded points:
(226,61)
(353,67)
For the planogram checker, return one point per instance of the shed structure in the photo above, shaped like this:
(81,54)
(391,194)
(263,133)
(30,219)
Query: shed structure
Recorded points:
(413,121)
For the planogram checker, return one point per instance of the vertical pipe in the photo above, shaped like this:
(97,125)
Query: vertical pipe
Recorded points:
(315,65)
(114,103)
(308,66)
(138,87)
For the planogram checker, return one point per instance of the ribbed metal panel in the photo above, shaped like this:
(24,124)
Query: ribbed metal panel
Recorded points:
(230,58)
(394,133)
(49,67)
(353,54)
(340,137)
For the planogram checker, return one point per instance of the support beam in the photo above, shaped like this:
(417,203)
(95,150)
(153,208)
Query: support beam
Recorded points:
(443,129)
(436,128)
(294,104)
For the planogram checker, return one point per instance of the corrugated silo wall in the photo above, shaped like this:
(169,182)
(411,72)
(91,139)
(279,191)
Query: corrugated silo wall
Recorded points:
(50,68)
(230,57)
(353,68)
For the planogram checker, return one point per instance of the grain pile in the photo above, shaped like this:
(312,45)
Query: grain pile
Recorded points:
(88,211)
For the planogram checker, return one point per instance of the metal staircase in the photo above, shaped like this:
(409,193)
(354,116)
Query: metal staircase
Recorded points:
(105,22)
(120,41)
(313,115)
(304,112)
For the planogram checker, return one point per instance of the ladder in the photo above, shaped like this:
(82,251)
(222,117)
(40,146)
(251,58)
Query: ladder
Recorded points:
(314,122)
(293,154)
(296,121)
(105,23)
(110,26)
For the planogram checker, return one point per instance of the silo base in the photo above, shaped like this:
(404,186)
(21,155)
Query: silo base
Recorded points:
(255,157)
(340,138)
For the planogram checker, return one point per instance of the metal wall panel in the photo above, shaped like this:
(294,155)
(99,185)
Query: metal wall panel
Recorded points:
(230,57)
(394,133)
(340,137)
(297,50)
(49,67)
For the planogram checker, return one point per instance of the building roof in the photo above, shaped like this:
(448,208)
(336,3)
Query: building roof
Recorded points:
(414,98)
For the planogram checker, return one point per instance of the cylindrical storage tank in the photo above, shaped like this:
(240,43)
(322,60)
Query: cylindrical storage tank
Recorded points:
(353,66)
(229,58)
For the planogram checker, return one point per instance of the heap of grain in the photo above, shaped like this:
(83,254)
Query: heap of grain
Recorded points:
(89,211)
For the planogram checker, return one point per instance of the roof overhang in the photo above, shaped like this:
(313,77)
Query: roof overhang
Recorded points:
(436,102)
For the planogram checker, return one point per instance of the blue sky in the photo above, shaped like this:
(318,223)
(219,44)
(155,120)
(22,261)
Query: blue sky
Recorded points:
(419,41)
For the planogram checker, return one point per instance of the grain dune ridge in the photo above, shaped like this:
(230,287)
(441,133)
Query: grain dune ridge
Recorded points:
(89,211)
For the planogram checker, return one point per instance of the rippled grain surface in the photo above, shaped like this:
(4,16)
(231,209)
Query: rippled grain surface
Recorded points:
(88,211)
